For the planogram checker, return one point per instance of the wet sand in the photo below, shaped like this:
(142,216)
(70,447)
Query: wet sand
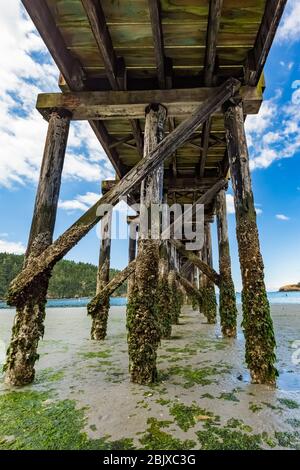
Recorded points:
(204,394)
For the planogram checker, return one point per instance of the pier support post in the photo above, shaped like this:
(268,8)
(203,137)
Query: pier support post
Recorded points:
(142,320)
(227,301)
(28,325)
(209,294)
(100,317)
(133,227)
(257,322)
(164,293)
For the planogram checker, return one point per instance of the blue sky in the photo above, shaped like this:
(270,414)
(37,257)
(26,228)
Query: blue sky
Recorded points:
(273,139)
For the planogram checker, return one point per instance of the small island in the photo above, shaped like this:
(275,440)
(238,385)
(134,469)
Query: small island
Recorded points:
(290,288)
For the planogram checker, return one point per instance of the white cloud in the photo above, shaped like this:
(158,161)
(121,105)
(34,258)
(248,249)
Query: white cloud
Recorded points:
(289,30)
(274,134)
(81,202)
(11,247)
(26,70)
(230,204)
(282,217)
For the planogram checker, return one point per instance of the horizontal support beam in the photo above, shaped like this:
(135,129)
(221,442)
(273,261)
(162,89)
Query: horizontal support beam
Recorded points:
(132,104)
(56,251)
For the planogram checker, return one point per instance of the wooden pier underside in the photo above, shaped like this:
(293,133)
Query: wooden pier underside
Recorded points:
(172,52)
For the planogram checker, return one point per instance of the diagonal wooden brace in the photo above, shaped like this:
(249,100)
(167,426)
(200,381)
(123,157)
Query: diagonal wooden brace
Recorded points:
(105,293)
(87,221)
(207,270)
(189,288)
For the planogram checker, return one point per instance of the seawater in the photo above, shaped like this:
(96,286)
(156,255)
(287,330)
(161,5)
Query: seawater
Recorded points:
(274,298)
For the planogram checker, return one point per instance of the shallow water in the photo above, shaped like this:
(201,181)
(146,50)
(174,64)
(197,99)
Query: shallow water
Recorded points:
(95,375)
(274,298)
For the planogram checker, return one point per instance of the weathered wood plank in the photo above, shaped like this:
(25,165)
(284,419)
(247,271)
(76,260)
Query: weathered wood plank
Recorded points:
(132,104)
(214,16)
(99,28)
(258,55)
(154,9)
(88,220)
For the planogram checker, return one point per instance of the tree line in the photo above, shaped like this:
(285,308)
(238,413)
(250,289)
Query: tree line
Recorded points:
(69,279)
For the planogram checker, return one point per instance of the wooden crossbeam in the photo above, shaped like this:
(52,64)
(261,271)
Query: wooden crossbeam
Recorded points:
(144,167)
(154,9)
(196,261)
(189,288)
(45,24)
(131,104)
(102,296)
(258,55)
(102,36)
(114,66)
(213,25)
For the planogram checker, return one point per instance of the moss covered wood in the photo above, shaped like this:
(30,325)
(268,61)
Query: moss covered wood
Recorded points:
(99,319)
(194,259)
(142,316)
(104,294)
(227,299)
(88,220)
(133,227)
(209,295)
(257,322)
(28,325)
(193,293)
(164,293)
(176,297)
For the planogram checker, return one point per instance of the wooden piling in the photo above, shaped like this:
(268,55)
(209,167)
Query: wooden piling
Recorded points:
(100,317)
(142,320)
(227,300)
(257,322)
(28,325)
(209,296)
(164,293)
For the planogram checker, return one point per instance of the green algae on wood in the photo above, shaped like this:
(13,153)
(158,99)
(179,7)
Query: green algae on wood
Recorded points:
(257,322)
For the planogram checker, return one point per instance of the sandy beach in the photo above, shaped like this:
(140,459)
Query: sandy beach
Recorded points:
(82,397)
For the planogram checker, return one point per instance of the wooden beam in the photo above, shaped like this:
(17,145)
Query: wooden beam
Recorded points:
(146,166)
(131,104)
(257,321)
(264,39)
(154,9)
(101,34)
(213,25)
(204,199)
(205,137)
(214,16)
(112,63)
(196,261)
(51,35)
(104,294)
(105,140)
(189,288)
